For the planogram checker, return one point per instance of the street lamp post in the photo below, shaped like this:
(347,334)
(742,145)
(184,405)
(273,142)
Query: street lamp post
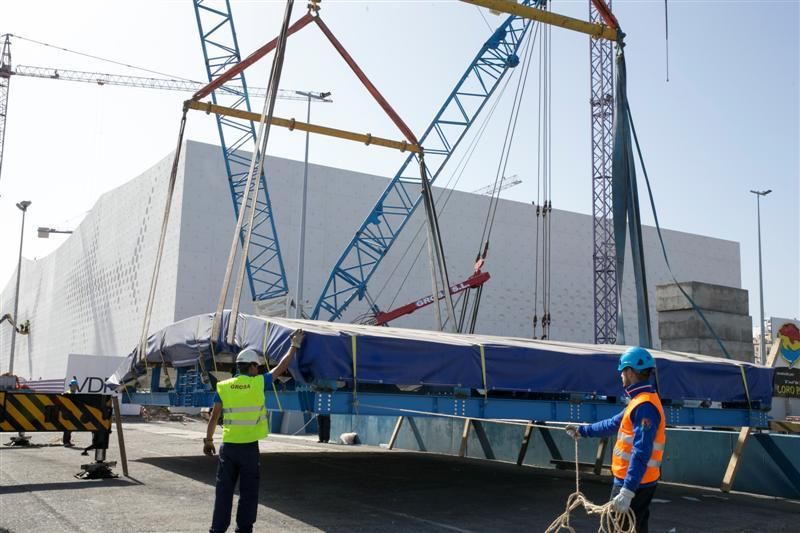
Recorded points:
(44,233)
(762,345)
(23,206)
(298,312)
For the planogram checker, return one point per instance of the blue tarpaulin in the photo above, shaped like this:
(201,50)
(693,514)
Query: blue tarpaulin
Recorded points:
(406,357)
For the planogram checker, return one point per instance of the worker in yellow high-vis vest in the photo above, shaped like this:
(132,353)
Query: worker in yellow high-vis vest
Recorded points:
(641,436)
(242,402)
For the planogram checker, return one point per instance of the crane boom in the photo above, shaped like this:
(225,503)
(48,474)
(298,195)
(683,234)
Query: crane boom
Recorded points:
(473,282)
(511,181)
(5,80)
(166,84)
(349,277)
(7,71)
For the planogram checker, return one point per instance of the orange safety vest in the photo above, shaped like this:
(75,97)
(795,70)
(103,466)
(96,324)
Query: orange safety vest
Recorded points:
(623,449)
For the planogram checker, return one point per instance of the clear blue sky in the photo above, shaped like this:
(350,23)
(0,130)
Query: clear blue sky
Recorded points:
(726,122)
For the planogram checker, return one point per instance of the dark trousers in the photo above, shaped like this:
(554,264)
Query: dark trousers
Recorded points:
(67,437)
(324,427)
(640,504)
(237,461)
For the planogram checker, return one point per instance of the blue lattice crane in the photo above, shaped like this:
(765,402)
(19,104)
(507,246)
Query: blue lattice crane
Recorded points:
(348,279)
(265,271)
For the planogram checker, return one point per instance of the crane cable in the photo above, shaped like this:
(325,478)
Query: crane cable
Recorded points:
(543,192)
(441,203)
(141,353)
(90,56)
(505,152)
(249,202)
(511,128)
(446,193)
(455,177)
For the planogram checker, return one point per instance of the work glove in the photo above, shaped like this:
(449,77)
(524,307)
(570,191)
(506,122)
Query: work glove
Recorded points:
(572,431)
(297,338)
(622,501)
(208,447)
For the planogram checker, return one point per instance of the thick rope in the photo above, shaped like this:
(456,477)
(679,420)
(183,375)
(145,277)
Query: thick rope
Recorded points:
(141,353)
(261,155)
(610,520)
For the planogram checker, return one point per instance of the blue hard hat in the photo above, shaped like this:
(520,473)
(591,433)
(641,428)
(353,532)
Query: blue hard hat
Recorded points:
(73,382)
(637,358)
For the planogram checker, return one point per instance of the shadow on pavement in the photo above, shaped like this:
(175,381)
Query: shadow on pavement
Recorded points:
(337,491)
(367,490)
(67,485)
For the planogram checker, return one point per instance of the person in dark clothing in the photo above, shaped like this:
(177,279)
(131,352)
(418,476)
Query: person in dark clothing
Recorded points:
(242,402)
(641,435)
(73,389)
(324,428)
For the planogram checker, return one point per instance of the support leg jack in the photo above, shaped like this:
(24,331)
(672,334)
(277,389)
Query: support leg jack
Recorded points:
(97,470)
(21,440)
(100,468)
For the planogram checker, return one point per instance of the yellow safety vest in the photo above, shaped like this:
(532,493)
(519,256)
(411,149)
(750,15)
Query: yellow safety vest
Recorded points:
(621,459)
(244,413)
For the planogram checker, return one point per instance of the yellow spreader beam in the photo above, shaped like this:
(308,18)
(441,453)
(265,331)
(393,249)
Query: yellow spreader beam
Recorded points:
(293,124)
(598,31)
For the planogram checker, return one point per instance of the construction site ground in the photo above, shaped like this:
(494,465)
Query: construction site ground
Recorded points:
(306,486)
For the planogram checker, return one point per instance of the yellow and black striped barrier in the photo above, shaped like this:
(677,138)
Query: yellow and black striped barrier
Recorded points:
(34,412)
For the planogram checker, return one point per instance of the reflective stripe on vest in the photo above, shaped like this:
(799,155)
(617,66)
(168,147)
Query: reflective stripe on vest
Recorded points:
(244,414)
(621,458)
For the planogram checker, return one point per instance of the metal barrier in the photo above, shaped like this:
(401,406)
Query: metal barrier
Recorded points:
(32,412)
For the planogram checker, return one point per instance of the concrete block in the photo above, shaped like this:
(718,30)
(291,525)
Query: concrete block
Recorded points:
(740,351)
(705,295)
(687,323)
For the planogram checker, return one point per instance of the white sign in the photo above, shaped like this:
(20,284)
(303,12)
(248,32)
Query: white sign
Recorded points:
(787,331)
(92,371)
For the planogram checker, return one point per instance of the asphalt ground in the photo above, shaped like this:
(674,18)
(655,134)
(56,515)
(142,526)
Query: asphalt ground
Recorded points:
(307,486)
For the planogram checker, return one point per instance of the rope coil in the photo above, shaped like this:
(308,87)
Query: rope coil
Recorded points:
(610,520)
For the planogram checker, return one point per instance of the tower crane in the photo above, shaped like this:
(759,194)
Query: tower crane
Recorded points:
(7,71)
(510,181)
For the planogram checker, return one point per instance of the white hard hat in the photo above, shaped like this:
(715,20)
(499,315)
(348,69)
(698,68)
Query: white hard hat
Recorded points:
(247,356)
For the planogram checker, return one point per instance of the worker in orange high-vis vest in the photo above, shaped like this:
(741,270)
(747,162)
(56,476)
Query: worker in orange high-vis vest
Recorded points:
(641,436)
(242,402)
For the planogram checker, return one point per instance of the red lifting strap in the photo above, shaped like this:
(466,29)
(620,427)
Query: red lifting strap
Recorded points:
(249,60)
(606,14)
(297,26)
(368,84)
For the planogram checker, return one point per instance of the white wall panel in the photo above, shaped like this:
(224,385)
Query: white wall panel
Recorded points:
(89,295)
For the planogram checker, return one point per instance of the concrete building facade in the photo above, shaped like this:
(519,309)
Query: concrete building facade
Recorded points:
(89,295)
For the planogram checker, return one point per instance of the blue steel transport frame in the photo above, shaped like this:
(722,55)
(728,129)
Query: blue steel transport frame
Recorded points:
(348,279)
(265,271)
(191,392)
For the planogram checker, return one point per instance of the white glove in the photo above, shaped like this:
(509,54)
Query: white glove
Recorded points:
(573,432)
(622,501)
(297,338)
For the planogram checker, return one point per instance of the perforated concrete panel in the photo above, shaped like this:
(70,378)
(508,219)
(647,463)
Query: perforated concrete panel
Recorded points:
(89,295)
